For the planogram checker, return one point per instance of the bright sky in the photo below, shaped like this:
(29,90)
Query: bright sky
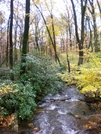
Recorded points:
(60,5)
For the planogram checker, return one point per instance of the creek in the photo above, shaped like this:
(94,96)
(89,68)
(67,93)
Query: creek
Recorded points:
(64,113)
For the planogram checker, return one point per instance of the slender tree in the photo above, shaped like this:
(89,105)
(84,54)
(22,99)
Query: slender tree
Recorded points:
(80,41)
(90,45)
(25,38)
(7,47)
(50,36)
(2,33)
(92,11)
(10,35)
(99,6)
(36,32)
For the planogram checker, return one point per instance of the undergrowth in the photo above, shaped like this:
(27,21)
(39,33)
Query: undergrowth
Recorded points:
(22,94)
(86,77)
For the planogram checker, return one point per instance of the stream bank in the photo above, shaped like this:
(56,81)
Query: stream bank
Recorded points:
(66,112)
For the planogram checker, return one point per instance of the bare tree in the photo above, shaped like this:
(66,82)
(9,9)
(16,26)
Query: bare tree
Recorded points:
(80,41)
(99,7)
(52,38)
(92,11)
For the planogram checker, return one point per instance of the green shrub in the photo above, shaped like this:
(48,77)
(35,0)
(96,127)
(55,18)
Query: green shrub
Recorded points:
(17,98)
(41,72)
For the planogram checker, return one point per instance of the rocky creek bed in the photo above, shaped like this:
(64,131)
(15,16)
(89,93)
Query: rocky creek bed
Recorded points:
(65,113)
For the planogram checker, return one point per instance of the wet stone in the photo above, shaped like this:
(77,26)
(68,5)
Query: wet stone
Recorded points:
(58,130)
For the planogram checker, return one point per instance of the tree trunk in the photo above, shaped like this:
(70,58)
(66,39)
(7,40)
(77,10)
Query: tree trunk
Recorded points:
(81,53)
(11,42)
(67,56)
(36,34)
(25,39)
(92,11)
(54,40)
(10,34)
(7,47)
(80,41)
(15,42)
(90,42)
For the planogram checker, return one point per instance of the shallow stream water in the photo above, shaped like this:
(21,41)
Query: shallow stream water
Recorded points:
(63,113)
